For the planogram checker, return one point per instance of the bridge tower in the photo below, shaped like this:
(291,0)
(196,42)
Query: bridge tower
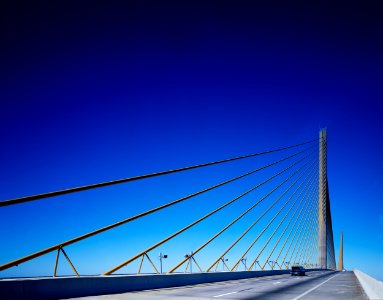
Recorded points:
(322,198)
(326,241)
(340,262)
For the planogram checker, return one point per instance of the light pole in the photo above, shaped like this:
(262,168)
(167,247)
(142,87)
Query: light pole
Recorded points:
(190,256)
(243,260)
(271,264)
(161,256)
(223,263)
(286,264)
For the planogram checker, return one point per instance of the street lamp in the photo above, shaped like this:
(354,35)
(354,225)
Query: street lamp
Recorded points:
(161,256)
(223,263)
(190,256)
(286,264)
(271,264)
(243,260)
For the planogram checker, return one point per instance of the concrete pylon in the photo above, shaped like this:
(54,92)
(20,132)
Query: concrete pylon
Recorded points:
(322,206)
(340,262)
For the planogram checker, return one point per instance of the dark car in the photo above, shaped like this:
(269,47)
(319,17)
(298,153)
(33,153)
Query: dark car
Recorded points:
(298,271)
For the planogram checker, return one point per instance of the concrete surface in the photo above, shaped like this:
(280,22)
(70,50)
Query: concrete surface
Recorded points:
(67,287)
(372,287)
(316,285)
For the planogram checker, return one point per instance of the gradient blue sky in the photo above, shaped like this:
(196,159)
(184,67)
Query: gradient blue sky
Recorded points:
(93,92)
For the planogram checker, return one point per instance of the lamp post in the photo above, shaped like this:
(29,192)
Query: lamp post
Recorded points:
(255,265)
(286,264)
(223,263)
(243,260)
(190,256)
(161,256)
(271,264)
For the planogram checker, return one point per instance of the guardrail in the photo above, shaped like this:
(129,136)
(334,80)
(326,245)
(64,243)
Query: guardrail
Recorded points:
(71,287)
(372,287)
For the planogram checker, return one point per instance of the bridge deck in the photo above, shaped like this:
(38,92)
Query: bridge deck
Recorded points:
(316,285)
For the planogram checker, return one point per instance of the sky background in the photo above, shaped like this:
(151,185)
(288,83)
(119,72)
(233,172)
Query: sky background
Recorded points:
(92,92)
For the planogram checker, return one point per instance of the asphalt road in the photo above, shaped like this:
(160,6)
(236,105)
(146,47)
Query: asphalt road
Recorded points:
(315,285)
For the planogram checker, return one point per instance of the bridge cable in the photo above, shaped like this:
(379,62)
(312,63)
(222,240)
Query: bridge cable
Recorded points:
(140,177)
(308,251)
(303,245)
(140,215)
(302,202)
(299,218)
(299,239)
(302,205)
(268,225)
(283,206)
(254,223)
(302,233)
(111,271)
(295,233)
(227,226)
(283,219)
(314,239)
(312,231)
(305,241)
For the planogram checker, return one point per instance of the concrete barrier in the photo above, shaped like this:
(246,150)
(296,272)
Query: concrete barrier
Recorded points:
(372,287)
(71,287)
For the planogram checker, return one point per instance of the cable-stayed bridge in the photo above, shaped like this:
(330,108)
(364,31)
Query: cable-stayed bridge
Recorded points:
(272,214)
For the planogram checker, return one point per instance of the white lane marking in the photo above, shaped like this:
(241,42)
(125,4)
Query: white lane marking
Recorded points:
(278,282)
(224,294)
(314,288)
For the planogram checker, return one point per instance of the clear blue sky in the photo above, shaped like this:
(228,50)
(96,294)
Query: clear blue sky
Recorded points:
(93,92)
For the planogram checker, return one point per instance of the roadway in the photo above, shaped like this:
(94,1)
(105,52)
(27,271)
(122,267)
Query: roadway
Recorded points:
(315,285)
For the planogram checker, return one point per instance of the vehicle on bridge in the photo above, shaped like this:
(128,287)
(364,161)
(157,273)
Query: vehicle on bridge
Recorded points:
(297,271)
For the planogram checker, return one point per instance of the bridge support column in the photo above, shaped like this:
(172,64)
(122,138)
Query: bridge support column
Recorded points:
(340,262)
(322,206)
